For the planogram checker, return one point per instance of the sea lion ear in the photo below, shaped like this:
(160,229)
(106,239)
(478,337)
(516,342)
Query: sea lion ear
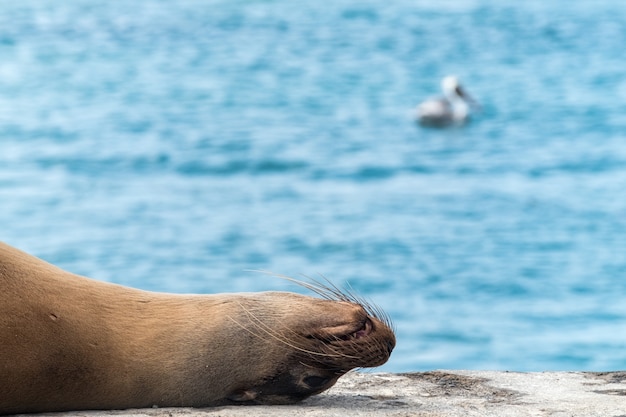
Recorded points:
(243,395)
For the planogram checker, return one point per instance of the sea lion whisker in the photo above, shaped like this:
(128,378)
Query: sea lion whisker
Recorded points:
(369,306)
(323,291)
(260,325)
(246,328)
(330,291)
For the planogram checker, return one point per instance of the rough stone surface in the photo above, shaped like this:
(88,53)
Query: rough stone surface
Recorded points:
(437,393)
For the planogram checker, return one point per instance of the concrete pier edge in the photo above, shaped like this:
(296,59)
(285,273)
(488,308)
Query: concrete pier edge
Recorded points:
(436,393)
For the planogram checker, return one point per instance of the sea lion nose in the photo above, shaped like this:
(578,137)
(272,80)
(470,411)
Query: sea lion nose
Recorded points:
(390,346)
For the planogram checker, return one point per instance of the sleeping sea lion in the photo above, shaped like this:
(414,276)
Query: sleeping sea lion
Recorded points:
(72,343)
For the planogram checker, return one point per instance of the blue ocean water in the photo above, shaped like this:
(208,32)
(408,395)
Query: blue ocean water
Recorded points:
(177,145)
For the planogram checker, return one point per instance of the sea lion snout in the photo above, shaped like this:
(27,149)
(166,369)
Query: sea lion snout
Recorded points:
(319,357)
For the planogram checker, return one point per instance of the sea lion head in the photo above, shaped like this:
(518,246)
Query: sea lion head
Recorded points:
(319,341)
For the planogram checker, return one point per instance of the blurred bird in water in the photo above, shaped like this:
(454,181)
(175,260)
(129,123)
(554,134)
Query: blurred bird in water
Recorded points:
(452,109)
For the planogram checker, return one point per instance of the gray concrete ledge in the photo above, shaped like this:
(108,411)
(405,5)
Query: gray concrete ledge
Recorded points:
(437,393)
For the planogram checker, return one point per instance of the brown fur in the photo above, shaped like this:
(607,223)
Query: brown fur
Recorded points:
(70,343)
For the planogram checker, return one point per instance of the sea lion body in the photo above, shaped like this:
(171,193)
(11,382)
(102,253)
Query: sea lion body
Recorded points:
(73,343)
